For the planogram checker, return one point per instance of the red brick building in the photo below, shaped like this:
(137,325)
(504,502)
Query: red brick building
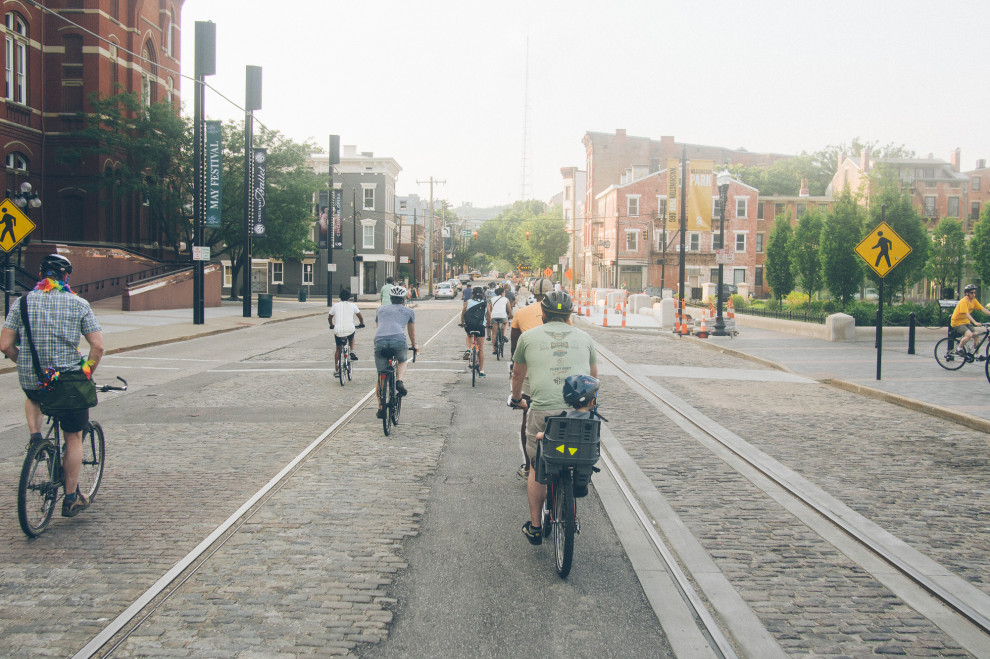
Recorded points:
(979,192)
(53,62)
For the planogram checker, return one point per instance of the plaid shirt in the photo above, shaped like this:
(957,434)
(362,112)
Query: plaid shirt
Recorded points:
(59,319)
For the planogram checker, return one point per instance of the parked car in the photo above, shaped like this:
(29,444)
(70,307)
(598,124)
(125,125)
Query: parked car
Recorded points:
(455,284)
(729,289)
(653,291)
(443,290)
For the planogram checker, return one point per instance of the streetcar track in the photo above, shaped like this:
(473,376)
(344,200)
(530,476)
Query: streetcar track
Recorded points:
(967,602)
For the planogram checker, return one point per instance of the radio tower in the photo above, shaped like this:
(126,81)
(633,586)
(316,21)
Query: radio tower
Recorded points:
(524,187)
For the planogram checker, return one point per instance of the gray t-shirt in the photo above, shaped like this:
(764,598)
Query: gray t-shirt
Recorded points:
(392,320)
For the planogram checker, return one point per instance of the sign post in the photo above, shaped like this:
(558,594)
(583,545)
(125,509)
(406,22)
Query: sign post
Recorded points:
(883,250)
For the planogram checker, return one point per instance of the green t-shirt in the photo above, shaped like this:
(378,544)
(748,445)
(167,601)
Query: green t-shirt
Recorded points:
(385,293)
(552,352)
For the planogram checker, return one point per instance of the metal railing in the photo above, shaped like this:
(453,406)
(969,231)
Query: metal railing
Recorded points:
(118,283)
(800,316)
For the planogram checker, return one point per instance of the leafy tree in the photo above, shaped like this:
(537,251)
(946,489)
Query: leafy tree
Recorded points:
(778,262)
(842,268)
(504,237)
(151,151)
(903,218)
(948,253)
(805,252)
(979,245)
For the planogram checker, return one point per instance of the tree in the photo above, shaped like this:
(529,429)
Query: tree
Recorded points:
(504,237)
(979,245)
(842,269)
(805,252)
(778,263)
(903,218)
(948,253)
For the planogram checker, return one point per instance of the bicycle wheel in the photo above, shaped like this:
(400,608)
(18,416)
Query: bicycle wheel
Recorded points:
(474,364)
(94,454)
(37,492)
(563,522)
(396,407)
(387,385)
(946,356)
(340,370)
(348,369)
(498,345)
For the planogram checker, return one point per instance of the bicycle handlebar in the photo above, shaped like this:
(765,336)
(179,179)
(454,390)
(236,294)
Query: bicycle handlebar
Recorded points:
(414,351)
(110,387)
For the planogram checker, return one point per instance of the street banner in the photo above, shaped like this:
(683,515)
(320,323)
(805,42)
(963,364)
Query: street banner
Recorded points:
(214,154)
(323,218)
(701,182)
(673,193)
(260,168)
(338,229)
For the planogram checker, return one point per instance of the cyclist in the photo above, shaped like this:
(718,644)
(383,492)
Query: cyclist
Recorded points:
(581,393)
(394,320)
(58,318)
(473,317)
(962,321)
(547,353)
(343,329)
(466,295)
(499,313)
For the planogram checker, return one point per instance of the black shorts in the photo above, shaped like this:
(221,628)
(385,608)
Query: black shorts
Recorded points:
(474,331)
(74,421)
(343,340)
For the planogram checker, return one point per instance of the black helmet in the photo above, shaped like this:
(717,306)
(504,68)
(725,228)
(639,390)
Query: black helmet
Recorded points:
(557,302)
(478,293)
(56,266)
(579,390)
(969,287)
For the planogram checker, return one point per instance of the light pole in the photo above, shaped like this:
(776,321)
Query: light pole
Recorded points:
(724,178)
(23,199)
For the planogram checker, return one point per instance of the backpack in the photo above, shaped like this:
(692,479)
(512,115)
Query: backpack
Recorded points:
(474,318)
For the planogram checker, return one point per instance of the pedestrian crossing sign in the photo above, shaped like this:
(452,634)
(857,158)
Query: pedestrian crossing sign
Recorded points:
(14,225)
(883,249)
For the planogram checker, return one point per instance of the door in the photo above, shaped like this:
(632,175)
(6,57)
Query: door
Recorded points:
(370,278)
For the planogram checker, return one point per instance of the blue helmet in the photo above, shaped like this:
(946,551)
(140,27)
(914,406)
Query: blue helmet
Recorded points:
(579,390)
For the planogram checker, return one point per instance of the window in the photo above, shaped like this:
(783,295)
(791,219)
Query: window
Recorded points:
(740,242)
(953,207)
(72,73)
(15,43)
(694,242)
(759,243)
(716,206)
(716,241)
(974,210)
(713,275)
(758,278)
(742,207)
(800,210)
(778,209)
(307,274)
(976,184)
(114,74)
(930,206)
(632,240)
(368,236)
(759,211)
(228,275)
(632,206)
(149,76)
(167,34)
(169,91)
(17,162)
(739,276)
(277,272)
(661,207)
(369,196)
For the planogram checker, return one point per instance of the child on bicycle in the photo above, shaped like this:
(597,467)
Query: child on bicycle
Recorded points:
(341,319)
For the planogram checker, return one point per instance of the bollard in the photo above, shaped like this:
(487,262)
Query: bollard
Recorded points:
(911,328)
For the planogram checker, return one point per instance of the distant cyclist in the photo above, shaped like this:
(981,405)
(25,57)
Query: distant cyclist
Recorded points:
(499,313)
(341,320)
(394,320)
(473,317)
(962,321)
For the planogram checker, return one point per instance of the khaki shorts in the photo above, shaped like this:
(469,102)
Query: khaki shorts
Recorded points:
(536,422)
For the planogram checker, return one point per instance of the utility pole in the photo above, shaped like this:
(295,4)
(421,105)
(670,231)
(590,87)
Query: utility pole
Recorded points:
(429,238)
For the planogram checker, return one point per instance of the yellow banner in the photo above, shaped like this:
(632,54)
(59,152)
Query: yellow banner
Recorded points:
(673,194)
(701,183)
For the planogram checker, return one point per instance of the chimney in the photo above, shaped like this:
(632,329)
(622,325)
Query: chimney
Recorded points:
(864,160)
(842,159)
(805,192)
(981,163)
(954,159)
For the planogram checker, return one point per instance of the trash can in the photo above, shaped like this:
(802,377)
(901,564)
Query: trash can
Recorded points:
(302,294)
(264,305)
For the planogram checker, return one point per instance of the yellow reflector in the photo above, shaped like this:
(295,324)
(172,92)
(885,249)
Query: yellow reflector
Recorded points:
(572,450)
(561,448)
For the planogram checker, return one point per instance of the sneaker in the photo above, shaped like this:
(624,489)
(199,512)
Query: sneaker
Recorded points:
(534,535)
(580,491)
(380,413)
(481,374)
(400,388)
(336,374)
(523,471)
(73,508)
(354,357)
(961,352)
(467,355)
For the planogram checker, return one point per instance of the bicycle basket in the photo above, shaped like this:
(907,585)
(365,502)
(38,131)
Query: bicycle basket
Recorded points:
(570,442)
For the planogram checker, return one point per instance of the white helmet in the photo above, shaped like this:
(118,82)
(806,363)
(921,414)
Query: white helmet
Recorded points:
(397,291)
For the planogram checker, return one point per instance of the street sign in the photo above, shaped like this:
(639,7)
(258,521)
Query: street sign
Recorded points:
(725,256)
(465,233)
(883,249)
(548,273)
(16,226)
(201,253)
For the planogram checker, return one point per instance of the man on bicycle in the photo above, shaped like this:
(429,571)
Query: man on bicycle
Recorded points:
(341,319)
(548,354)
(394,320)
(499,314)
(473,317)
(962,321)
(58,317)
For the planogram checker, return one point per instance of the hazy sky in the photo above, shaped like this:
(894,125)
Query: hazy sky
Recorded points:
(440,85)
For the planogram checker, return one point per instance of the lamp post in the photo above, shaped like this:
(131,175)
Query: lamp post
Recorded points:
(23,199)
(724,178)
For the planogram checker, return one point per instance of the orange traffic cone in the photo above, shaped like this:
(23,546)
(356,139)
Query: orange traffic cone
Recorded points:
(731,309)
(623,315)
(703,333)
(677,319)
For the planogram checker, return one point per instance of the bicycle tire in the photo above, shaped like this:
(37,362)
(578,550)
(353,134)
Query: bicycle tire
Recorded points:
(37,492)
(348,370)
(387,413)
(93,457)
(945,357)
(563,522)
(474,364)
(340,369)
(498,346)
(396,408)
(986,369)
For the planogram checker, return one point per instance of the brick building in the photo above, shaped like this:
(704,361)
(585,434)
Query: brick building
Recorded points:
(54,60)
(979,191)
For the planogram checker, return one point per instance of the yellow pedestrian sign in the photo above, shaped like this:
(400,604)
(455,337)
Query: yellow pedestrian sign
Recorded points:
(883,249)
(14,225)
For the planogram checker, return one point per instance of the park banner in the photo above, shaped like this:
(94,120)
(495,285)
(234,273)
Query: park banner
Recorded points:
(673,193)
(700,200)
(338,229)
(214,151)
(260,167)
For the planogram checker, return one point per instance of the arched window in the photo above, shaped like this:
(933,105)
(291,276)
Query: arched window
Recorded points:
(149,75)
(17,162)
(170,90)
(167,34)
(114,70)
(15,46)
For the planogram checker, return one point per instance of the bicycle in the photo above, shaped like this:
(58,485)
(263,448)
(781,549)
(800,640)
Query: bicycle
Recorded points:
(947,357)
(344,367)
(473,359)
(42,476)
(388,398)
(565,459)
(499,340)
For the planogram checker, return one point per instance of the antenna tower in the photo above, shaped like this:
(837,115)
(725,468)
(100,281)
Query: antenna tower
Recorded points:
(525,187)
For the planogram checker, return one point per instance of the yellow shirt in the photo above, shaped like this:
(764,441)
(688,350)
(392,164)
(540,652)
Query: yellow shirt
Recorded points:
(965,306)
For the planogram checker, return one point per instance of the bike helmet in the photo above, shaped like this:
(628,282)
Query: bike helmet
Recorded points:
(397,291)
(969,287)
(55,265)
(541,287)
(579,390)
(478,293)
(557,302)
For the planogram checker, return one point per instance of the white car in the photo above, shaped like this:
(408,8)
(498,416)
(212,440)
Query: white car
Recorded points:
(443,290)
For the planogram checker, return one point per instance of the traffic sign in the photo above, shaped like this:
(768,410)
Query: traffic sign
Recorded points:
(883,249)
(15,226)
(548,273)
(465,233)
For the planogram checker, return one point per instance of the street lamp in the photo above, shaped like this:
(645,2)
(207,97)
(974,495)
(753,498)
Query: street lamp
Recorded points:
(724,178)
(23,199)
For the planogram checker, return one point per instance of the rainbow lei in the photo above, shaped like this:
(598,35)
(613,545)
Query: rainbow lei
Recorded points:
(48,284)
